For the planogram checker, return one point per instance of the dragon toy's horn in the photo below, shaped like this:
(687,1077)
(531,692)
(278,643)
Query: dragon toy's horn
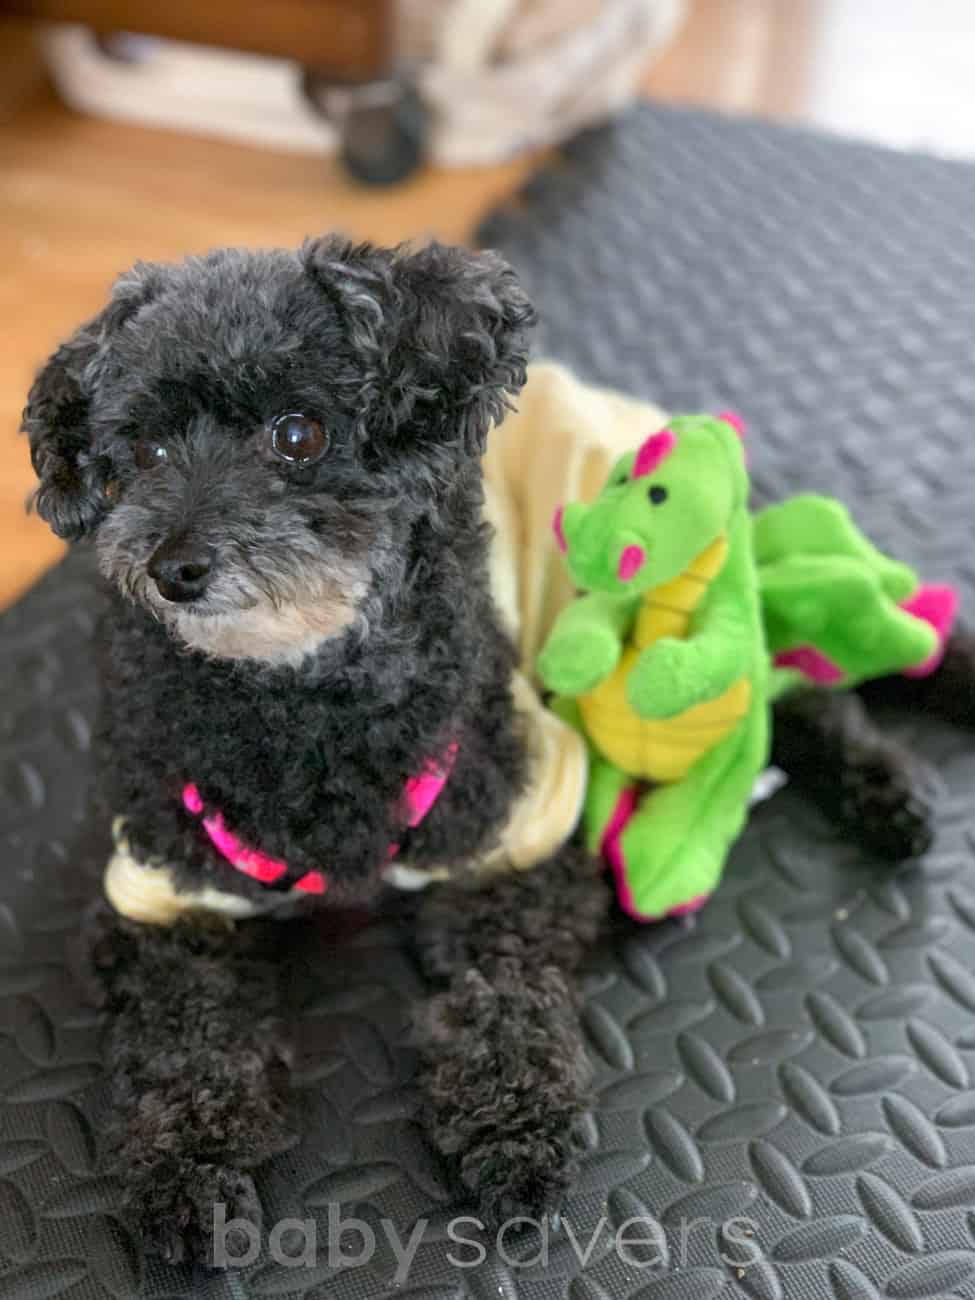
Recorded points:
(735,420)
(653,451)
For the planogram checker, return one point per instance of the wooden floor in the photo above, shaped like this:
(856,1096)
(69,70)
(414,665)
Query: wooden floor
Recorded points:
(80,199)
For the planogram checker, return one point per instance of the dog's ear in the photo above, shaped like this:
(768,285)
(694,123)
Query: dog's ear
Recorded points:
(72,495)
(441,333)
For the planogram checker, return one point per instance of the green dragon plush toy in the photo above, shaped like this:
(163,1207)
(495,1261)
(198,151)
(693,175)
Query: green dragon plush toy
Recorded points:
(696,615)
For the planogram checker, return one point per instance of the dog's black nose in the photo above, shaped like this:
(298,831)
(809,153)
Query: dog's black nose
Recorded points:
(181,569)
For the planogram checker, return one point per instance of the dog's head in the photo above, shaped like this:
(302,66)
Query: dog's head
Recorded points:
(251,436)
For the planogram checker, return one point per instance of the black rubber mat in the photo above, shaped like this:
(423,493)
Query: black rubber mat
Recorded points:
(801,1055)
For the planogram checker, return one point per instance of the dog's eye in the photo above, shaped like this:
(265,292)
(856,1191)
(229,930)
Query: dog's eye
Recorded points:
(298,439)
(149,454)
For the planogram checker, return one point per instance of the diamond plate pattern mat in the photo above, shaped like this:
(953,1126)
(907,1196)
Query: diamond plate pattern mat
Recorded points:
(801,1056)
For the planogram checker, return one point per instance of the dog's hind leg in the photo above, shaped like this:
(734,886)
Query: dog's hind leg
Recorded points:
(873,786)
(948,693)
(198,1068)
(504,1070)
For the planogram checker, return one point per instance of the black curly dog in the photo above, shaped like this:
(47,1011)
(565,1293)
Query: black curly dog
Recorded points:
(278,457)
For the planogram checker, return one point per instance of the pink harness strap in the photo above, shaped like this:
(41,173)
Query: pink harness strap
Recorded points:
(420,793)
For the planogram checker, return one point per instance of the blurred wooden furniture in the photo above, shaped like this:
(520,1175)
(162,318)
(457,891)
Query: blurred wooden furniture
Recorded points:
(340,45)
(347,39)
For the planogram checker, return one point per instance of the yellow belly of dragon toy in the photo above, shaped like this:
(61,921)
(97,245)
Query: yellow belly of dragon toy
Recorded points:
(663,750)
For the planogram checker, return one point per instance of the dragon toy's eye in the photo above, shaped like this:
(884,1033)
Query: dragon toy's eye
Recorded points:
(149,454)
(298,439)
(657,494)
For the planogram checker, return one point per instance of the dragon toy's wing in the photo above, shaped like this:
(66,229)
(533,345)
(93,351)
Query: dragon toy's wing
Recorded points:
(819,526)
(838,607)
(833,605)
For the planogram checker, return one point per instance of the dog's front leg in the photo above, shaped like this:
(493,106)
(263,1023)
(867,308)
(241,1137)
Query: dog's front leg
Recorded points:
(504,1069)
(198,1069)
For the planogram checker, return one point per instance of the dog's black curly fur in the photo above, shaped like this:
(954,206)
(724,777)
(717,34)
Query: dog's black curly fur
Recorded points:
(867,782)
(345,635)
(948,694)
(199,1067)
(405,359)
(154,424)
(875,787)
(505,1071)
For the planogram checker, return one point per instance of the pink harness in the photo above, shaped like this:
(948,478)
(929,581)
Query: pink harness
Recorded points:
(420,793)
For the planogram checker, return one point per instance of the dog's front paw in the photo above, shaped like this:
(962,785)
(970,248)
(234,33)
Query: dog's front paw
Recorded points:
(199,1213)
(520,1176)
(506,1080)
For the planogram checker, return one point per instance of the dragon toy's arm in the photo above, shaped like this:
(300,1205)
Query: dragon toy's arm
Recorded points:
(585,645)
(672,676)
